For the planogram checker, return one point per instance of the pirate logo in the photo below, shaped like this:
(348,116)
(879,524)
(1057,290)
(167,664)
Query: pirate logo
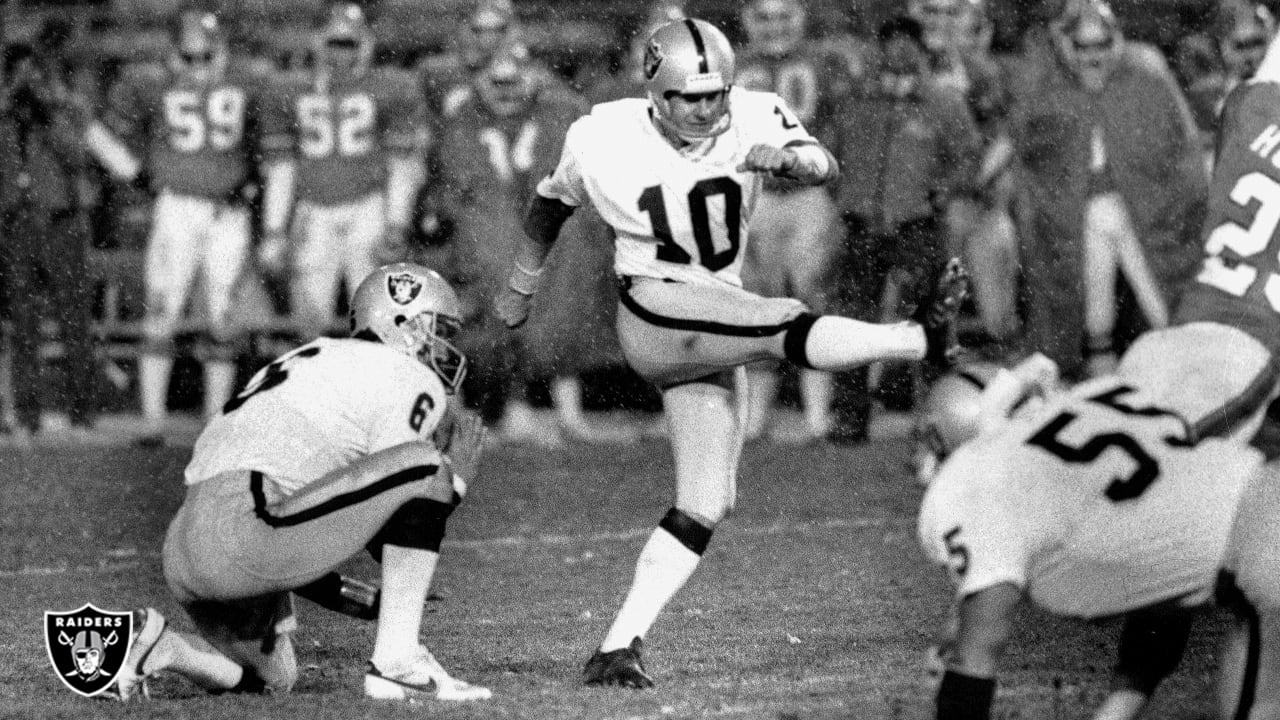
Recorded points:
(88,646)
(652,59)
(404,287)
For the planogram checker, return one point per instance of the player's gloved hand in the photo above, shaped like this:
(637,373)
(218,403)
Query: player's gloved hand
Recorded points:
(465,443)
(273,253)
(513,301)
(769,159)
(394,246)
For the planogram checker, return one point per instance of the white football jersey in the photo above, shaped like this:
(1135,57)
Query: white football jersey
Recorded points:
(1090,503)
(677,214)
(318,408)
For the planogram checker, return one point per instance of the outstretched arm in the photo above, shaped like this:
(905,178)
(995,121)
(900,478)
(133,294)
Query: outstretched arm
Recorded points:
(1151,645)
(969,683)
(542,226)
(805,162)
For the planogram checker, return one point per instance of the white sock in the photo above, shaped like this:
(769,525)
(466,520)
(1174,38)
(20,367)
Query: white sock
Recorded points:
(406,575)
(815,393)
(195,659)
(841,343)
(566,396)
(219,381)
(762,390)
(663,568)
(153,382)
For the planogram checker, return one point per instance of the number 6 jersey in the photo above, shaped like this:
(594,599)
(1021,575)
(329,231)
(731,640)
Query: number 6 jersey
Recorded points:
(1092,504)
(1239,281)
(317,409)
(678,214)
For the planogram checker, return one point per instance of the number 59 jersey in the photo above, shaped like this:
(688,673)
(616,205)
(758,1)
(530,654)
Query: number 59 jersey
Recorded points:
(678,214)
(317,409)
(1239,280)
(1092,504)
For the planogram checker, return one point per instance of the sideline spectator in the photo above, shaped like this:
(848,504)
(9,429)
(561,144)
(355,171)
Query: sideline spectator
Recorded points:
(1110,181)
(43,188)
(906,151)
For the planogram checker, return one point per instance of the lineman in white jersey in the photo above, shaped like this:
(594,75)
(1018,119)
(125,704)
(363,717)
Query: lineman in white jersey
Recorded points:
(677,176)
(338,446)
(1116,497)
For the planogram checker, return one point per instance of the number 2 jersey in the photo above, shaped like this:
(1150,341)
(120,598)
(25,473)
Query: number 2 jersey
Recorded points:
(678,214)
(1239,280)
(1091,504)
(317,409)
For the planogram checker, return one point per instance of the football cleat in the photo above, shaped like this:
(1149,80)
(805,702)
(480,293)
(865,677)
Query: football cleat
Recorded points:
(421,676)
(620,667)
(937,313)
(131,682)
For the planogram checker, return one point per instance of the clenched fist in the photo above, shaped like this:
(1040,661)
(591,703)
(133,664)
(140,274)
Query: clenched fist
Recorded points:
(770,159)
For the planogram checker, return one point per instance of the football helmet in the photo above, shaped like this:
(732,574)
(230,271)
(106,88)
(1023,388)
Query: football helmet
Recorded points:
(1243,31)
(344,44)
(949,24)
(949,416)
(412,309)
(689,57)
(199,46)
(490,25)
(506,86)
(774,27)
(1089,41)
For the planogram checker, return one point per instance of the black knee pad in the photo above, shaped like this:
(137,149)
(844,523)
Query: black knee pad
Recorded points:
(419,523)
(691,533)
(797,334)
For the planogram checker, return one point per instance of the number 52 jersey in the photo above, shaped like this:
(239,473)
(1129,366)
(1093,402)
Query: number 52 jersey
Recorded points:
(1091,504)
(318,408)
(678,214)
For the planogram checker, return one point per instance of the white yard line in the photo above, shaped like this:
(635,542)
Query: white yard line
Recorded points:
(139,560)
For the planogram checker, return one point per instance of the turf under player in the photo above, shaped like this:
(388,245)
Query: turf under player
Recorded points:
(677,176)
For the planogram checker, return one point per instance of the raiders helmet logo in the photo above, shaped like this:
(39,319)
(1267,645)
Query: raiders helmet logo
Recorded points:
(88,646)
(652,59)
(404,287)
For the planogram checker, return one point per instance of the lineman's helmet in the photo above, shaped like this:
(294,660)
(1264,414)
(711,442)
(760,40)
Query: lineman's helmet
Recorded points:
(199,46)
(774,27)
(345,42)
(1090,42)
(412,309)
(689,57)
(949,416)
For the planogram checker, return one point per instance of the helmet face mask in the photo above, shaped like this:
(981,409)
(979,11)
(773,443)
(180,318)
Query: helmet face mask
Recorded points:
(774,27)
(1089,39)
(410,308)
(506,87)
(344,46)
(689,70)
(949,416)
(1244,34)
(199,47)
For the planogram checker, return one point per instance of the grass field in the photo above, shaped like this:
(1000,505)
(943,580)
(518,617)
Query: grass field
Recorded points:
(812,602)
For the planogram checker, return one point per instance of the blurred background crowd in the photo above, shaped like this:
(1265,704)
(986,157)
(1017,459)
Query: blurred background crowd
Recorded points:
(186,189)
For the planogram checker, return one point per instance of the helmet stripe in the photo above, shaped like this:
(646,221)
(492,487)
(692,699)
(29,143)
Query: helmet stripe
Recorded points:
(698,45)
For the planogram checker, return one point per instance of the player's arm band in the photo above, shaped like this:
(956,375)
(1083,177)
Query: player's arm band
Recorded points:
(545,217)
(965,697)
(814,165)
(1151,646)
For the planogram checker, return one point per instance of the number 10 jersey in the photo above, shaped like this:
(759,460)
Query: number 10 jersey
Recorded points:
(679,214)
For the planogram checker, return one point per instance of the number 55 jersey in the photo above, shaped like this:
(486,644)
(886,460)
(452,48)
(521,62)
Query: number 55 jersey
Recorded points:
(679,214)
(1093,504)
(1239,280)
